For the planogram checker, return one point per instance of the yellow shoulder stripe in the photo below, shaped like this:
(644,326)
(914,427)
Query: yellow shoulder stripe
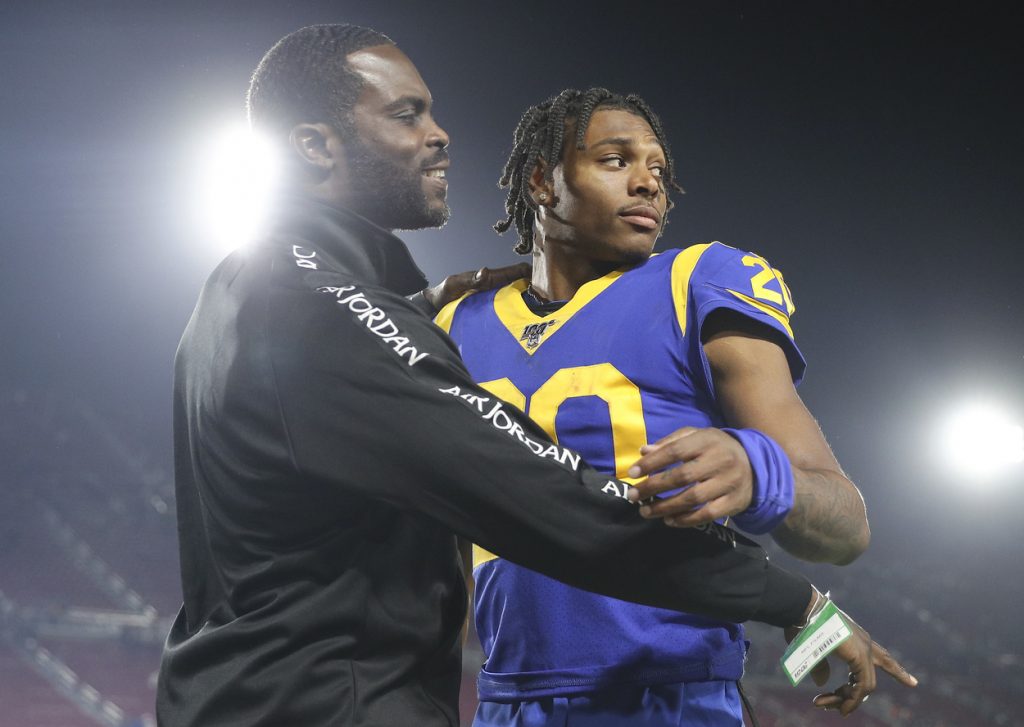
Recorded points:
(682,269)
(446,315)
(765,308)
(481,556)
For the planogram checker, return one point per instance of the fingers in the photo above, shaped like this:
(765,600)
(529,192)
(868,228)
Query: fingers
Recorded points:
(862,682)
(454,286)
(858,651)
(486,278)
(828,701)
(701,503)
(684,444)
(692,456)
(846,698)
(861,655)
(893,668)
(677,434)
(710,467)
(449,289)
(860,687)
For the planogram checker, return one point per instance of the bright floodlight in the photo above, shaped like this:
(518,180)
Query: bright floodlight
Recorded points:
(238,175)
(980,441)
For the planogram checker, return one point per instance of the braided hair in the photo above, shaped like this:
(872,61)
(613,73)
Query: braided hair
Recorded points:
(540,135)
(305,77)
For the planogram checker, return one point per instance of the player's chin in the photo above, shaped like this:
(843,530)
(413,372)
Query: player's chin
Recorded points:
(624,258)
(431,215)
(437,215)
(434,189)
(435,197)
(636,248)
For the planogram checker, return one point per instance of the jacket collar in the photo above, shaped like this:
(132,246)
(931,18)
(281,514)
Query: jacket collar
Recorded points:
(349,243)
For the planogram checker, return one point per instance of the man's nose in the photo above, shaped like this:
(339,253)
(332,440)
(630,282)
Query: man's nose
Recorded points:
(437,136)
(644,182)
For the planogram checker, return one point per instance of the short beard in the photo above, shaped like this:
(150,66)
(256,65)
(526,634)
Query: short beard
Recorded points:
(389,195)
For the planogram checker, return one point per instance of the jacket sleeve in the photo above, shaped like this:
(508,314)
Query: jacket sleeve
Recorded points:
(377,402)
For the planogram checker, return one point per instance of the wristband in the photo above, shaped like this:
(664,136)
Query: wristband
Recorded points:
(773,482)
(826,629)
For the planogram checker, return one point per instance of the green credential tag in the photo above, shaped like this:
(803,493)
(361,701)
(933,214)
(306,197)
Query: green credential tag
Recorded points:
(828,630)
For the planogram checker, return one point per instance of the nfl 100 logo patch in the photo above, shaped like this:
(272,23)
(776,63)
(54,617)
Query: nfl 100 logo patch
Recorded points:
(534,331)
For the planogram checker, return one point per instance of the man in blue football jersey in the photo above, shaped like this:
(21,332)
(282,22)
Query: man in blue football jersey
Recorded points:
(686,357)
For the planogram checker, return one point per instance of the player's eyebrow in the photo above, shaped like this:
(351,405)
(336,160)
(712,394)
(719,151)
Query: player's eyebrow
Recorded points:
(417,103)
(620,141)
(613,141)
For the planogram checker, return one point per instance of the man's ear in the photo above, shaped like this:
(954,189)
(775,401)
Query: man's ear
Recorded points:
(316,145)
(542,192)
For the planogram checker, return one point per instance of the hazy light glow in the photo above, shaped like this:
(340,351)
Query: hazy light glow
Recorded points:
(981,441)
(238,173)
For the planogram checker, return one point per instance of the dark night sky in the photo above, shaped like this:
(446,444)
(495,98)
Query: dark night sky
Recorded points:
(872,150)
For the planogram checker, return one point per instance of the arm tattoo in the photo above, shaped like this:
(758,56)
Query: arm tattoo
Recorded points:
(827,522)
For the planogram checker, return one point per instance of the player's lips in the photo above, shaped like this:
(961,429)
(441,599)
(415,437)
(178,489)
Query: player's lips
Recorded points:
(435,177)
(642,215)
(436,167)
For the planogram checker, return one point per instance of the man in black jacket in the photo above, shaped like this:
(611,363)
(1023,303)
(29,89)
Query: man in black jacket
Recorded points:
(329,444)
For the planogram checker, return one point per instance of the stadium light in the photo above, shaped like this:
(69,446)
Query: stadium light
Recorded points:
(238,174)
(980,441)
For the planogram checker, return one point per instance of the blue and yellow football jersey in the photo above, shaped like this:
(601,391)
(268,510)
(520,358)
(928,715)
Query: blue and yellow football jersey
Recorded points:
(619,365)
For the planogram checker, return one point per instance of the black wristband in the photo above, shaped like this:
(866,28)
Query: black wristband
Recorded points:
(785,598)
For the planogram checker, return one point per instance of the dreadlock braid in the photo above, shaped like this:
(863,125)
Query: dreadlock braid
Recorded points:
(539,137)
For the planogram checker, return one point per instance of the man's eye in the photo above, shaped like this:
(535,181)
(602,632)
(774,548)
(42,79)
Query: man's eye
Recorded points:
(407,118)
(658,171)
(614,160)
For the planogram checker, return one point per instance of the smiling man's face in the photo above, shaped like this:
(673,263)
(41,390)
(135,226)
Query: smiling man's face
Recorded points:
(396,153)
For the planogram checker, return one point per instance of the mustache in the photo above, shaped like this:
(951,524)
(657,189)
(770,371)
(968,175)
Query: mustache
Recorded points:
(440,158)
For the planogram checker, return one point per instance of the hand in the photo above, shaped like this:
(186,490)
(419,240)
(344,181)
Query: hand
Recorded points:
(455,286)
(861,655)
(710,460)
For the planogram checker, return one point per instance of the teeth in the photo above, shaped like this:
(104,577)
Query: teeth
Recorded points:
(435,173)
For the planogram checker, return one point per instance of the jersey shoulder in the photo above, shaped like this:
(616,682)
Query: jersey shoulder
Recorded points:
(446,316)
(467,305)
(715,275)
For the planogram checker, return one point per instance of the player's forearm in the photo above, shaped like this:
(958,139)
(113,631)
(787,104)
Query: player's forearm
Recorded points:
(828,522)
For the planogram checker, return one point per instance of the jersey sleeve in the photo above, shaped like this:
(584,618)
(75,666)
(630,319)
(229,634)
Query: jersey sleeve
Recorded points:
(725,277)
(364,368)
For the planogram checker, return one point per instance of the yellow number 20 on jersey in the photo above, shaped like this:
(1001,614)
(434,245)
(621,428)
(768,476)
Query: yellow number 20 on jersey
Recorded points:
(622,396)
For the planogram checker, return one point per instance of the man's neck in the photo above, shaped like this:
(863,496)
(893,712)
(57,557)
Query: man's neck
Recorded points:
(328,193)
(559,271)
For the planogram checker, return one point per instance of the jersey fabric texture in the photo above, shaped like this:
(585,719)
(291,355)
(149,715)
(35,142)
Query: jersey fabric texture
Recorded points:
(694,704)
(619,365)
